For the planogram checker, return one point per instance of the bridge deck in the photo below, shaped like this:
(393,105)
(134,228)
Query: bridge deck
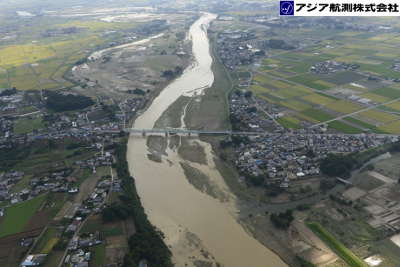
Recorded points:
(228,132)
(186,131)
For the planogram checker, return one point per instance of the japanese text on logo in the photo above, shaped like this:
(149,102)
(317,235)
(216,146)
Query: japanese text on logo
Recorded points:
(339,8)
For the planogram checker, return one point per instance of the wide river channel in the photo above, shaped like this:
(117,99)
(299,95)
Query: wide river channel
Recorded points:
(196,225)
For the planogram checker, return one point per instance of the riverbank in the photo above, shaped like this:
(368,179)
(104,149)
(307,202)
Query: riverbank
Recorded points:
(211,111)
(147,242)
(214,104)
(201,229)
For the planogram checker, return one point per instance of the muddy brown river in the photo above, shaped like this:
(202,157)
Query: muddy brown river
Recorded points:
(198,227)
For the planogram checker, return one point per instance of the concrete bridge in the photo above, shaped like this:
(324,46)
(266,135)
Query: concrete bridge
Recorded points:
(188,132)
(169,131)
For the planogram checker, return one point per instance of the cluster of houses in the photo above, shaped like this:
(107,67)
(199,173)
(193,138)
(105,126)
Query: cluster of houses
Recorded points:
(281,157)
(78,254)
(76,125)
(78,250)
(331,66)
(7,181)
(11,103)
(6,127)
(284,154)
(34,260)
(130,106)
(245,113)
(235,48)
(396,66)
(94,203)
(60,32)
(58,181)
(58,125)
(103,159)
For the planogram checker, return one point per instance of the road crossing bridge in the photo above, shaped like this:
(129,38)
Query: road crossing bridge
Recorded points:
(188,132)
(168,131)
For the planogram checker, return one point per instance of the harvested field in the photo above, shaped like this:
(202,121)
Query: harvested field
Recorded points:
(346,254)
(381,177)
(313,250)
(11,252)
(354,193)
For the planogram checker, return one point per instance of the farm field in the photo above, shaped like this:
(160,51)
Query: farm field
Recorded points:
(46,242)
(361,124)
(23,126)
(286,78)
(344,127)
(17,216)
(289,122)
(38,60)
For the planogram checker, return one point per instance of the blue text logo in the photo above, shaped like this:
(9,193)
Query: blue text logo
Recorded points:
(286,8)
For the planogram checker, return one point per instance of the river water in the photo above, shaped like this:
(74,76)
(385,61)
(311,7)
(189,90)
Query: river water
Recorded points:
(197,226)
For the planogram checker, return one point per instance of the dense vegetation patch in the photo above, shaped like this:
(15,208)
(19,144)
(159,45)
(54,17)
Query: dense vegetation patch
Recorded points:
(66,102)
(9,92)
(282,220)
(9,157)
(340,165)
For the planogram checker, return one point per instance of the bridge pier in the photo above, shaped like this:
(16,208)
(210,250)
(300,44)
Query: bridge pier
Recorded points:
(144,133)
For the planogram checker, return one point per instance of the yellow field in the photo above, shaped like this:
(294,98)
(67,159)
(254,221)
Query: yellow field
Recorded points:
(344,106)
(45,64)
(384,55)
(3,78)
(378,116)
(291,119)
(358,59)
(289,122)
(266,98)
(259,89)
(350,34)
(71,48)
(318,99)
(393,127)
(270,81)
(375,98)
(261,79)
(381,37)
(91,24)
(291,92)
(23,78)
(295,105)
(282,74)
(18,55)
(49,246)
(46,69)
(395,105)
(49,85)
(302,116)
(324,83)
(271,61)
